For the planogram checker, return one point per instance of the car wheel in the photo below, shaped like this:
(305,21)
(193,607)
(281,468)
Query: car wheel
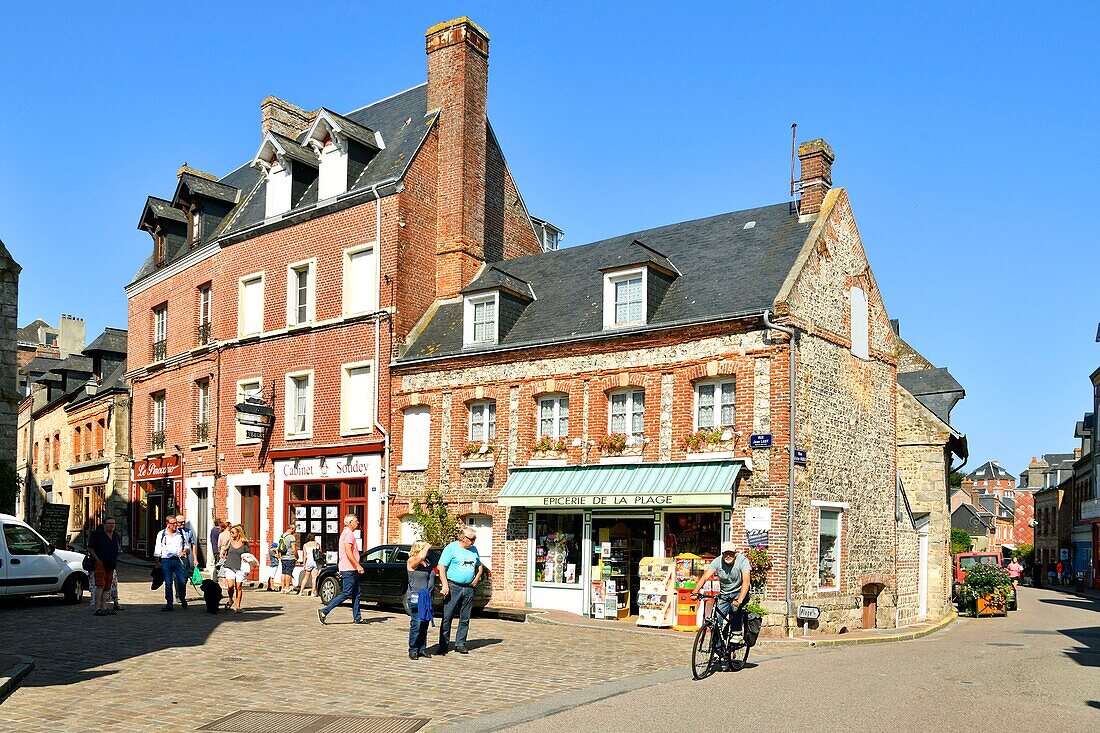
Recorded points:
(328,590)
(73,589)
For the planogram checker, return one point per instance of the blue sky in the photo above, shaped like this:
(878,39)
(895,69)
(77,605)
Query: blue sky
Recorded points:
(967,139)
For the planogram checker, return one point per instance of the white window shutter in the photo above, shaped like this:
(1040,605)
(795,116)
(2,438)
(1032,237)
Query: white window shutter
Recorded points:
(860,326)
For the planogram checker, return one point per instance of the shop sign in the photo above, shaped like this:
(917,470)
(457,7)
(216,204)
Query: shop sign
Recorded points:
(758,518)
(760,440)
(1063,554)
(323,468)
(615,501)
(809,613)
(154,469)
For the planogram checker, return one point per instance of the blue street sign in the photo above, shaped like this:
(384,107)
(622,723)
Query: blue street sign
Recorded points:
(800,457)
(760,440)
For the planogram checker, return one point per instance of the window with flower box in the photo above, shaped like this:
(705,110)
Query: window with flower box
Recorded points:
(553,417)
(483,422)
(715,405)
(627,413)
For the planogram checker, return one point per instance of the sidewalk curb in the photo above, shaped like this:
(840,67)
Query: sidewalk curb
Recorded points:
(14,674)
(767,643)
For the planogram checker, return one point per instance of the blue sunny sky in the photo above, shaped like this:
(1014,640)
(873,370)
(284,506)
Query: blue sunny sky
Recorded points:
(967,139)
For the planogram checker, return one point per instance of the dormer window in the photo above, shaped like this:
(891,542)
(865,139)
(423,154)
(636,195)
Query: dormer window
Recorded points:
(290,169)
(160,247)
(480,319)
(194,219)
(625,298)
(344,148)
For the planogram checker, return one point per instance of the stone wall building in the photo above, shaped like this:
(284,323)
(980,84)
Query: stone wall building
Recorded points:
(927,447)
(262,323)
(47,345)
(636,391)
(73,437)
(9,393)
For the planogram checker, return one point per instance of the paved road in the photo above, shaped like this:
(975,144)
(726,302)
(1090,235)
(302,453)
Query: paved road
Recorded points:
(1038,669)
(144,670)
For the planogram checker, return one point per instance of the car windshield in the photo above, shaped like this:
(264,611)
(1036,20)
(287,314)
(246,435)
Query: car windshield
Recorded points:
(969,562)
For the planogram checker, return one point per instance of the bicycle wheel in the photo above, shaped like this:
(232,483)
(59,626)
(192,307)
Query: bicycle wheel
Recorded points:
(739,654)
(702,653)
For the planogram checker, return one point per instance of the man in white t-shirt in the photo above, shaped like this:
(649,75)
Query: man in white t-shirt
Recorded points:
(171,549)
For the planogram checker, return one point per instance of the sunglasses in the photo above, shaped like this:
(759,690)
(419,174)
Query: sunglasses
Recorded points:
(470,539)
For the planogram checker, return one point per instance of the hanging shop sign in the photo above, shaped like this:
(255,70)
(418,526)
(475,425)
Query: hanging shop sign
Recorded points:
(255,416)
(760,440)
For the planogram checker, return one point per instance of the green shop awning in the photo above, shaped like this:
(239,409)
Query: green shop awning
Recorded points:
(622,486)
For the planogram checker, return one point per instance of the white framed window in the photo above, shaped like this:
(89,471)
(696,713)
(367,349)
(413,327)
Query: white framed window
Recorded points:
(483,525)
(483,422)
(205,304)
(410,530)
(626,413)
(554,417)
(280,185)
(715,404)
(299,405)
(248,388)
(624,298)
(300,292)
(479,322)
(357,398)
(360,280)
(859,323)
(828,548)
(251,300)
(203,412)
(159,412)
(160,323)
(415,435)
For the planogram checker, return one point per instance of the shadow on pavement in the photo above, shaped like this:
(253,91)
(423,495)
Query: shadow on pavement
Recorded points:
(1078,602)
(479,643)
(1087,655)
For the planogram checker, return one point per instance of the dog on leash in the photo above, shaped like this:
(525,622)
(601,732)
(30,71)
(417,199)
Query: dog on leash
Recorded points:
(212,594)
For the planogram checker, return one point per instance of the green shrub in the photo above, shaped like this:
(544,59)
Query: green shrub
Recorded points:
(435,523)
(960,541)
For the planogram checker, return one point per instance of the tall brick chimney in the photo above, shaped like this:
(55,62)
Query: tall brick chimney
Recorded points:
(279,115)
(458,79)
(816,158)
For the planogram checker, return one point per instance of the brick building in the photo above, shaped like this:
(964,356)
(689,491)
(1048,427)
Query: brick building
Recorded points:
(263,321)
(634,395)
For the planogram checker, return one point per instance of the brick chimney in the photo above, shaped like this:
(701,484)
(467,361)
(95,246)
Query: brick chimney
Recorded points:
(288,120)
(816,158)
(458,78)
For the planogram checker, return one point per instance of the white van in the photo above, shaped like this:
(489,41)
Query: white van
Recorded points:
(30,566)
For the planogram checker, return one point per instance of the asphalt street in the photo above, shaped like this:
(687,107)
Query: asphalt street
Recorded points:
(1036,670)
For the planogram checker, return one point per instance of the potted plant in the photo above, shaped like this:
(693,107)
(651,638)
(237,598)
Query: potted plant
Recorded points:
(475,450)
(547,447)
(708,440)
(760,562)
(614,443)
(986,590)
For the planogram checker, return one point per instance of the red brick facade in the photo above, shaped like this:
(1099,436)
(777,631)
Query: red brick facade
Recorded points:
(455,185)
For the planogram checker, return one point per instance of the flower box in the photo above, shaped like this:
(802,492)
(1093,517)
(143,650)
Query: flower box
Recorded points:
(989,605)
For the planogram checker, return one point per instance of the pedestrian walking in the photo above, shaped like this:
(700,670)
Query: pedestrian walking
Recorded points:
(288,555)
(171,548)
(1057,578)
(1015,571)
(460,570)
(1067,573)
(311,556)
(215,556)
(104,546)
(234,567)
(223,543)
(418,599)
(350,570)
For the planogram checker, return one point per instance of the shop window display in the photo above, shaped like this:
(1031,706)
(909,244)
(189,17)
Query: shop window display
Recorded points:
(699,533)
(558,548)
(828,548)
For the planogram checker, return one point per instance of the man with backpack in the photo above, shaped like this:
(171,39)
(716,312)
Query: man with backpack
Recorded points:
(288,555)
(171,549)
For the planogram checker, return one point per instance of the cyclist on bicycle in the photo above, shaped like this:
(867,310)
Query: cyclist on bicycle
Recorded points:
(734,578)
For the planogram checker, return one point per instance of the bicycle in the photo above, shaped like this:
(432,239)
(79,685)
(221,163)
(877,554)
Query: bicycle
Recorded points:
(715,641)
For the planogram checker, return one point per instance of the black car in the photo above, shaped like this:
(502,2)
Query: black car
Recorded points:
(386,578)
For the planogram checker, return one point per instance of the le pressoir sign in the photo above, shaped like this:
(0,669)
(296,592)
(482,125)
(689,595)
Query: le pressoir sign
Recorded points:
(155,469)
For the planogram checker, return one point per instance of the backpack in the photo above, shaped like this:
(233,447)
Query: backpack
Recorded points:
(284,546)
(318,556)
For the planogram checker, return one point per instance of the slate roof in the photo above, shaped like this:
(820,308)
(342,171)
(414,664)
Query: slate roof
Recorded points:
(962,516)
(568,283)
(41,365)
(163,209)
(358,132)
(205,187)
(936,389)
(29,333)
(495,277)
(112,340)
(403,120)
(115,381)
(988,471)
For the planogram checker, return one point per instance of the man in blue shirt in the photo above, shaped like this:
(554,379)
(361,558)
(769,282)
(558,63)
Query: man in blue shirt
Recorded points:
(460,570)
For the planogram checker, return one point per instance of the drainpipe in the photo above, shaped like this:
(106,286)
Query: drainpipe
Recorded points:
(378,361)
(790,331)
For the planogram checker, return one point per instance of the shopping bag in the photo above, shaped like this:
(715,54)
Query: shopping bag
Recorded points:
(158,576)
(196,576)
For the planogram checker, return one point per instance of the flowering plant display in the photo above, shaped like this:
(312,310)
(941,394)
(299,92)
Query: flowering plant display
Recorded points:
(546,444)
(473,449)
(613,443)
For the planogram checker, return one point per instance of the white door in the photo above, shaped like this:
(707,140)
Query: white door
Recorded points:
(922,577)
(29,568)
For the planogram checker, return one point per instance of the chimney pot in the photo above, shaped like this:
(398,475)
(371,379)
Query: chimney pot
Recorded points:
(816,158)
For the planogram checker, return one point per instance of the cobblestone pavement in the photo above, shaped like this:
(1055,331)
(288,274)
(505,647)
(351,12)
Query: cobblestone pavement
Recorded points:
(144,670)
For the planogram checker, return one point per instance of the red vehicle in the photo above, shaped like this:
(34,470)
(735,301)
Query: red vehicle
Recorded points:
(966,560)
